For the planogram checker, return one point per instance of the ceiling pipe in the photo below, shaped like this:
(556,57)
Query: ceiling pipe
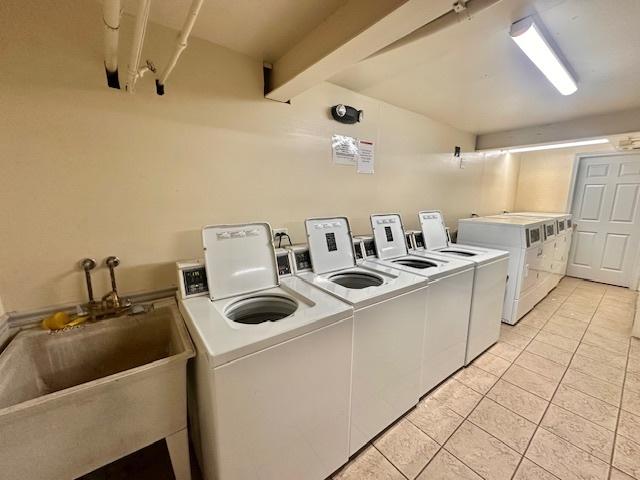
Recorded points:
(461,11)
(111,12)
(189,21)
(134,71)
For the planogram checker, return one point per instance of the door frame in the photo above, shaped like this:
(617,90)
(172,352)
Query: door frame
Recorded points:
(635,274)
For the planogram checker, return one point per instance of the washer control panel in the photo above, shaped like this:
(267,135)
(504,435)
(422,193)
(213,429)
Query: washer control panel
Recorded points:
(409,240)
(357,247)
(301,258)
(369,248)
(192,279)
(284,262)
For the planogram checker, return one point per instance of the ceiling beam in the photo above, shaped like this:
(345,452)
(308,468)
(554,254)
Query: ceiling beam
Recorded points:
(625,121)
(356,30)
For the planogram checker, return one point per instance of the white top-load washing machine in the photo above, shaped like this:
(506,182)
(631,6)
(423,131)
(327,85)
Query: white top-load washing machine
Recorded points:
(522,237)
(270,390)
(448,298)
(564,234)
(489,282)
(389,312)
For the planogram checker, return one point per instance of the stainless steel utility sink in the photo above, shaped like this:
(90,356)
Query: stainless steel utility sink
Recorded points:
(72,401)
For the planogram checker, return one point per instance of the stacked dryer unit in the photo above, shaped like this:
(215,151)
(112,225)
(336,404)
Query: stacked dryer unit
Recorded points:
(547,262)
(389,313)
(448,298)
(522,237)
(270,387)
(564,235)
(489,282)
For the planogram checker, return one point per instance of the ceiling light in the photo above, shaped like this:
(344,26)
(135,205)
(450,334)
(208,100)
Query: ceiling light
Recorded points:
(553,146)
(529,38)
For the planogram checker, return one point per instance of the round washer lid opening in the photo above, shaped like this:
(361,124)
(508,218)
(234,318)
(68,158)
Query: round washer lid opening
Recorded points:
(459,252)
(415,263)
(356,280)
(260,309)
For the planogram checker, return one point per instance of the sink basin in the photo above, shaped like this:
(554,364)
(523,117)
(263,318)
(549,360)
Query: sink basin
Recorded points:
(72,401)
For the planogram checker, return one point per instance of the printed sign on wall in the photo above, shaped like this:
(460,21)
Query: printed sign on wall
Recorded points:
(352,151)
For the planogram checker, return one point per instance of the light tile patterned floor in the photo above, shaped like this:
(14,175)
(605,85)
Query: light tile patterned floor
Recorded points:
(558,397)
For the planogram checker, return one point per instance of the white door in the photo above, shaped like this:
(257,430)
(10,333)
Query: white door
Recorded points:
(606,219)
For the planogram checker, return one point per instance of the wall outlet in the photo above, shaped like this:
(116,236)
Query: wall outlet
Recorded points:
(277,231)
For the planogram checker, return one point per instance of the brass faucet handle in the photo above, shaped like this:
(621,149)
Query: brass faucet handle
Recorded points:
(111,301)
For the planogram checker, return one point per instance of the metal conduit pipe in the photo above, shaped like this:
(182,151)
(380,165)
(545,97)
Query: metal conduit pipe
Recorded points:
(111,11)
(142,17)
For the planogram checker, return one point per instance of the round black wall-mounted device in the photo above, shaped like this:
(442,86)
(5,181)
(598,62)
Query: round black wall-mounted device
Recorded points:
(346,114)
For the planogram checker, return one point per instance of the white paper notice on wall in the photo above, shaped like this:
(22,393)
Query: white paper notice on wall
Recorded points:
(344,150)
(366,156)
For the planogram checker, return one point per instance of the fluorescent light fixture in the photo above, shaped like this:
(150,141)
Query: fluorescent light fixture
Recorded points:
(553,146)
(529,38)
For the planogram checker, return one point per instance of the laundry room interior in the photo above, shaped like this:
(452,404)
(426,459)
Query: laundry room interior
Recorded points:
(307,240)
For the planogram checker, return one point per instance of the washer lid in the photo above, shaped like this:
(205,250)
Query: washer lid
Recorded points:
(389,235)
(239,259)
(330,244)
(433,230)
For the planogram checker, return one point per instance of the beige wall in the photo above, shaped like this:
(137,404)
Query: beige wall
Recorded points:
(89,171)
(545,178)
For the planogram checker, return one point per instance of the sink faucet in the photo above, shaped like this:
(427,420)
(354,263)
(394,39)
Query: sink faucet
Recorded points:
(112,299)
(111,304)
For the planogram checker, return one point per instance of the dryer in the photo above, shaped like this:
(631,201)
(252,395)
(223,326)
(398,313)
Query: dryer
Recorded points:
(389,310)
(489,282)
(270,387)
(564,234)
(548,263)
(446,338)
(522,237)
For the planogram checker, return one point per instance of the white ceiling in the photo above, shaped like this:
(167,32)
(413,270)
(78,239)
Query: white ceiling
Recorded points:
(470,75)
(474,77)
(263,29)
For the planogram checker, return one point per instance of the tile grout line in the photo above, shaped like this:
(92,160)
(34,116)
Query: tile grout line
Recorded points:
(548,402)
(559,382)
(554,394)
(464,419)
(388,459)
(566,368)
(484,395)
(615,433)
(549,316)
